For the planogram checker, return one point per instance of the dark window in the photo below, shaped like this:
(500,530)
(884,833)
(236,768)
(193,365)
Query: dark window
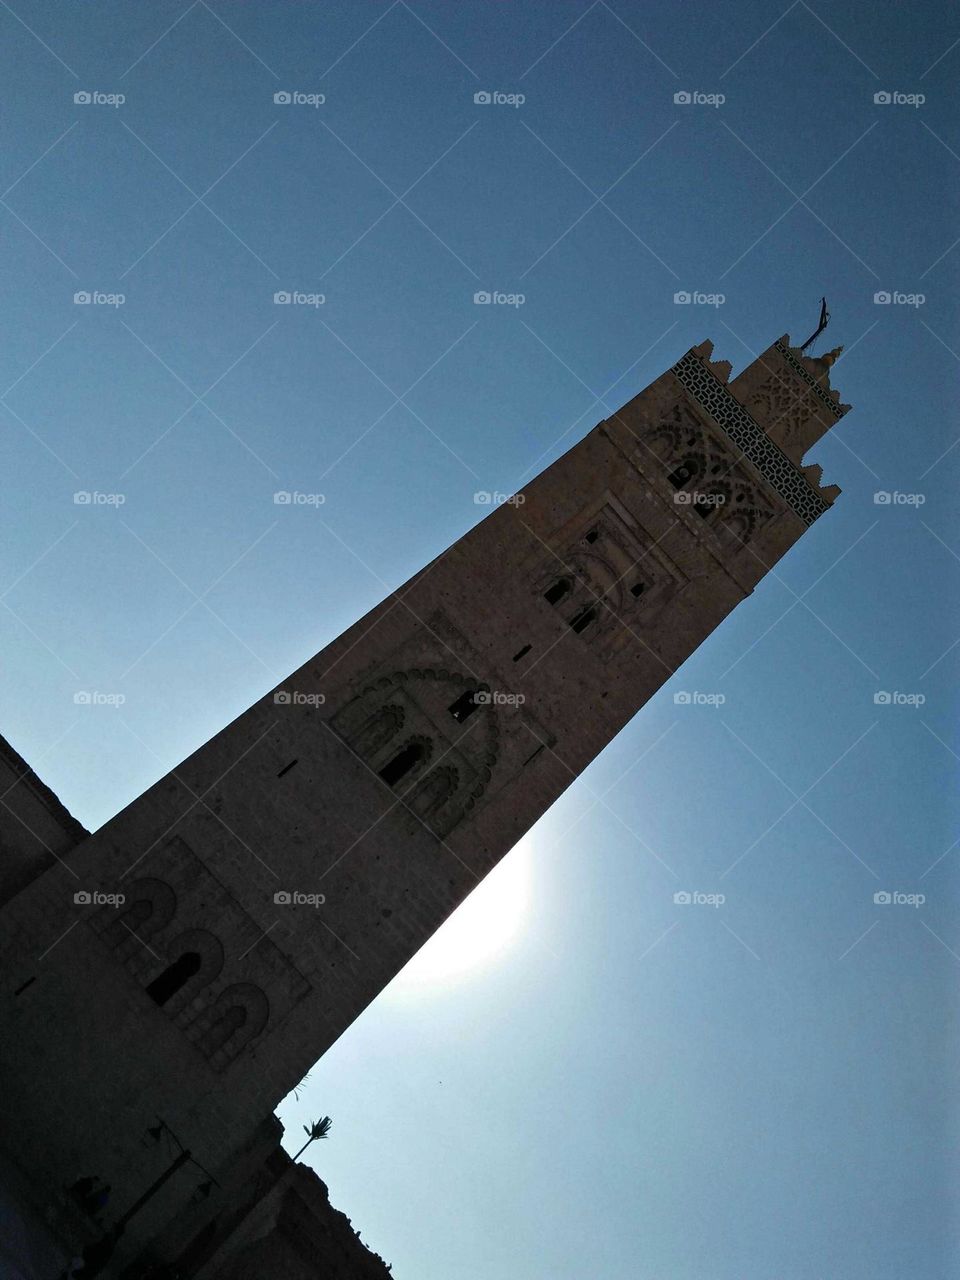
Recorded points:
(554,594)
(592,536)
(638,588)
(580,621)
(522,654)
(175,976)
(407,758)
(683,475)
(464,706)
(702,507)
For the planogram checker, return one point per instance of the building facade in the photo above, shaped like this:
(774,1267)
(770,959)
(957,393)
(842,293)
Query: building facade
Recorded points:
(180,963)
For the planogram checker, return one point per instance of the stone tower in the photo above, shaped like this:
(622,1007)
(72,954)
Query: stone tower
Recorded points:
(191,973)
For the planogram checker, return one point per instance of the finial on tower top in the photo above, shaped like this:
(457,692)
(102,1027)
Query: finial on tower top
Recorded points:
(826,361)
(824,321)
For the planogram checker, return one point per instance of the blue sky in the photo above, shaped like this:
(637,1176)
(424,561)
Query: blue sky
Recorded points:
(621,1087)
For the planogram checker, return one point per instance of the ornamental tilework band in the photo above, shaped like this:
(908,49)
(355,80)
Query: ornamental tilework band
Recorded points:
(837,410)
(749,437)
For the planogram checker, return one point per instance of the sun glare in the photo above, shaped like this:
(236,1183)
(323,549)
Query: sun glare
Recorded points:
(481,928)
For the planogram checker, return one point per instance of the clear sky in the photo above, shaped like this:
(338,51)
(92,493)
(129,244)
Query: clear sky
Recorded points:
(577,1077)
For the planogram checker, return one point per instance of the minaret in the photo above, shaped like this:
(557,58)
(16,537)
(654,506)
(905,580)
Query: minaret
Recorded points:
(275,881)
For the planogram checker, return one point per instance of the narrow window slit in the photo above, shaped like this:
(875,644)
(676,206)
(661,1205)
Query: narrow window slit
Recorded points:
(533,755)
(522,654)
(286,768)
(580,621)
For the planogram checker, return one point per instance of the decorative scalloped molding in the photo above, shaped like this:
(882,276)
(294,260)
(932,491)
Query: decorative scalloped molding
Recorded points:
(749,437)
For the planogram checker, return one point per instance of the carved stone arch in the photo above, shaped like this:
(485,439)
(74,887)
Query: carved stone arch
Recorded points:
(687,470)
(603,572)
(677,435)
(481,749)
(150,905)
(433,792)
(227,1026)
(209,952)
(665,442)
(378,729)
(735,530)
(713,498)
(408,761)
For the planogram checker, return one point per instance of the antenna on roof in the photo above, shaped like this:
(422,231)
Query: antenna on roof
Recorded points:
(824,321)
